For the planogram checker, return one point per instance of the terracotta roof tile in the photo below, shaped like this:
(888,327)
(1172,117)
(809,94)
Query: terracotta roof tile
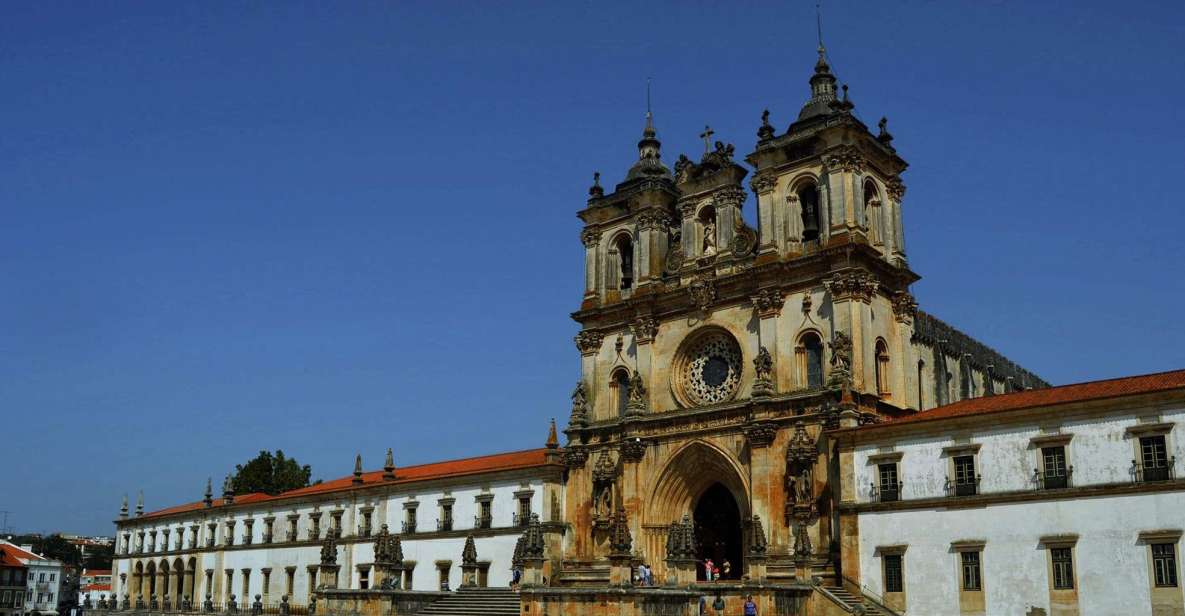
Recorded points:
(15,552)
(96,587)
(1064,394)
(437,470)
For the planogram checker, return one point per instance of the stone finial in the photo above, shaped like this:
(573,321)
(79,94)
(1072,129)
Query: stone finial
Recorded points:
(123,509)
(140,504)
(596,191)
(553,441)
(757,543)
(766,132)
(357,470)
(228,491)
(620,540)
(469,553)
(208,501)
(533,545)
(389,466)
(329,550)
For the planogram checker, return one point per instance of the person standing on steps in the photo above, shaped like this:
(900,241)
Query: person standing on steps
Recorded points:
(750,606)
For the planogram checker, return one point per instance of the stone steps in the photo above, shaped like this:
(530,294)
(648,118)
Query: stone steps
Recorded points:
(851,601)
(475,602)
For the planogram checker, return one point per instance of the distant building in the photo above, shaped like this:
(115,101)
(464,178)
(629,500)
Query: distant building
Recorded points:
(242,545)
(95,583)
(43,586)
(12,582)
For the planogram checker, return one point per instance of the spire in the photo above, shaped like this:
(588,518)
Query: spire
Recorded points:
(228,492)
(649,149)
(209,499)
(140,504)
(357,469)
(389,466)
(822,82)
(123,509)
(553,440)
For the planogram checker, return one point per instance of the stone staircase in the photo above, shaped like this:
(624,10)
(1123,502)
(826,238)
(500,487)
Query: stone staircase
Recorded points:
(857,605)
(475,602)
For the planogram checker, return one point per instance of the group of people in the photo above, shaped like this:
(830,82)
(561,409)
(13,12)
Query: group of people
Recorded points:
(714,572)
(644,576)
(716,606)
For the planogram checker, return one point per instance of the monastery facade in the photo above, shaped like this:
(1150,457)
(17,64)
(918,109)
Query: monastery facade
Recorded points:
(771,397)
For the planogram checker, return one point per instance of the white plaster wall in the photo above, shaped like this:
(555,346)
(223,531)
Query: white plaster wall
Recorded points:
(1099,452)
(388,509)
(1111,568)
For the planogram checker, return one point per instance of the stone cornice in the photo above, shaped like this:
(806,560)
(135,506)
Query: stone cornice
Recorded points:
(668,301)
(981,500)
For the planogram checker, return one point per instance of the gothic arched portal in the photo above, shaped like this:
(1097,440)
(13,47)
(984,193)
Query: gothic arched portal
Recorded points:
(718,532)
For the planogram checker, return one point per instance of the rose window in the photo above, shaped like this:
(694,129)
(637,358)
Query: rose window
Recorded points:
(710,370)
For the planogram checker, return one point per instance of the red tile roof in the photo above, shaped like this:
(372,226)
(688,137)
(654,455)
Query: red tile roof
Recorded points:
(1050,396)
(18,553)
(96,587)
(8,557)
(514,460)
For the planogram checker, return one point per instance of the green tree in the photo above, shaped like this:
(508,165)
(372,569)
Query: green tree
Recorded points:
(52,546)
(99,557)
(270,474)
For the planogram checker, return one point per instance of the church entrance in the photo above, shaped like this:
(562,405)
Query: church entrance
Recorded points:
(718,532)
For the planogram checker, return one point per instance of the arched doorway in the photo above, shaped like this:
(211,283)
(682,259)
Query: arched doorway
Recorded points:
(718,532)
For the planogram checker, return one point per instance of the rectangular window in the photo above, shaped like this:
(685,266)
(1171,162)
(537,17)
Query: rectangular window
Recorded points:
(408,575)
(1055,472)
(366,523)
(409,525)
(889,485)
(487,515)
(524,510)
(971,573)
(291,571)
(965,483)
(1154,458)
(1164,564)
(446,517)
(52,576)
(1063,568)
(893,577)
(443,574)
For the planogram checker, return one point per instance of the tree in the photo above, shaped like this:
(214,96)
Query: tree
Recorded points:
(270,474)
(99,557)
(52,546)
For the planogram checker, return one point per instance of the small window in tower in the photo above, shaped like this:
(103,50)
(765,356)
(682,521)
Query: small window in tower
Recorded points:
(625,260)
(882,367)
(811,353)
(621,391)
(808,198)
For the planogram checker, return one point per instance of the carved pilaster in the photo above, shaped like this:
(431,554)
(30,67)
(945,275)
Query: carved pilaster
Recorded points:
(895,188)
(703,293)
(843,158)
(589,342)
(650,220)
(729,196)
(575,457)
(644,329)
(768,302)
(763,183)
(854,284)
(905,307)
(761,433)
(632,450)
(590,237)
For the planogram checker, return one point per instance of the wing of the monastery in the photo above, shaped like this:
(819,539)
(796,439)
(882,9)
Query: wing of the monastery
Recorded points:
(764,422)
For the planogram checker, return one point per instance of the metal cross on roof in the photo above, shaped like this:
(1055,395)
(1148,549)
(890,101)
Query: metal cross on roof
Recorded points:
(707,137)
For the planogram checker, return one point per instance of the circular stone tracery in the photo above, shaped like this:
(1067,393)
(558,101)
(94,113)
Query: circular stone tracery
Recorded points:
(710,369)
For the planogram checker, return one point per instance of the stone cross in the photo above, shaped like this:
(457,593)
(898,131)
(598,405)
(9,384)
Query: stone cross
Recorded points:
(707,137)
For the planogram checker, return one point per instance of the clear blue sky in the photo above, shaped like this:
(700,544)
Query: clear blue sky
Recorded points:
(333,228)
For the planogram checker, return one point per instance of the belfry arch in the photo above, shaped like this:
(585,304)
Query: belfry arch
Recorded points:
(699,475)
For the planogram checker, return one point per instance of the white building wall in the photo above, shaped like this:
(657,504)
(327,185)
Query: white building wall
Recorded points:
(1112,568)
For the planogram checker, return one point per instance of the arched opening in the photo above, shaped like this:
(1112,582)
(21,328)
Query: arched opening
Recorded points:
(163,587)
(921,388)
(150,581)
(625,261)
(872,211)
(810,360)
(882,367)
(718,532)
(808,199)
(621,391)
(137,590)
(707,221)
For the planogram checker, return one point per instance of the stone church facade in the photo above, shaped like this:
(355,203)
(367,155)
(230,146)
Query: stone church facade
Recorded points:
(714,355)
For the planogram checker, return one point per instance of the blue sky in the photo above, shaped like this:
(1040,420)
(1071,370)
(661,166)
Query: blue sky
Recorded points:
(337,228)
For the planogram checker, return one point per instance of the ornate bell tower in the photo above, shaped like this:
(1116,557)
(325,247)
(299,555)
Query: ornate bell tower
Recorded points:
(714,356)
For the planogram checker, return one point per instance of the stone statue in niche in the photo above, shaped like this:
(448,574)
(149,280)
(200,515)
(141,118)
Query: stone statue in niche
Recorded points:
(604,501)
(709,239)
(802,487)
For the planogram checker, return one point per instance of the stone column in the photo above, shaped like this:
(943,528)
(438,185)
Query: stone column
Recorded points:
(690,236)
(727,202)
(644,329)
(896,192)
(766,471)
(770,237)
(588,342)
(652,242)
(851,291)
